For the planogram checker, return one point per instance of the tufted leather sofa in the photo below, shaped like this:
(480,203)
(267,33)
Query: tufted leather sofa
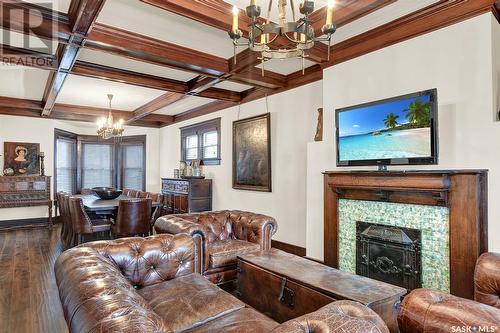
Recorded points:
(222,236)
(426,311)
(150,285)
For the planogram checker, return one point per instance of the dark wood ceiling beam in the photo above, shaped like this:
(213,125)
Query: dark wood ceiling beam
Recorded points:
(17,15)
(143,48)
(82,15)
(253,76)
(203,110)
(27,58)
(155,105)
(10,102)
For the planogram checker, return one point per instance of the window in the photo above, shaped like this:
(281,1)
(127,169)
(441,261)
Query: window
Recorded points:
(65,162)
(88,161)
(133,164)
(201,142)
(97,165)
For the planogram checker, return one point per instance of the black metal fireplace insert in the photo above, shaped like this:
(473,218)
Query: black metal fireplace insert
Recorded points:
(389,254)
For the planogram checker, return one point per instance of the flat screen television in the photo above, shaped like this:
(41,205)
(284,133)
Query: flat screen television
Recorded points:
(396,131)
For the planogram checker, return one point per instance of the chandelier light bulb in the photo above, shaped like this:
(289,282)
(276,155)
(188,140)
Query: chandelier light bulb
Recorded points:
(235,18)
(329,12)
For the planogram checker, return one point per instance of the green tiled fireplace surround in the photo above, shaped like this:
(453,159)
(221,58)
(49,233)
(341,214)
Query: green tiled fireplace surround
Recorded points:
(431,220)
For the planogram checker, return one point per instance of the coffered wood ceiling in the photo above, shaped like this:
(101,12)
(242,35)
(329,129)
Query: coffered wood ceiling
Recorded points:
(171,60)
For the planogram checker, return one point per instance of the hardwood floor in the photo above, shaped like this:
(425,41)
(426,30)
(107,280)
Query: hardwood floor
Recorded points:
(29,300)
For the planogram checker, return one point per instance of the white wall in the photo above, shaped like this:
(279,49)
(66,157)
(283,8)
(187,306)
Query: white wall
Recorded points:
(456,60)
(41,131)
(293,121)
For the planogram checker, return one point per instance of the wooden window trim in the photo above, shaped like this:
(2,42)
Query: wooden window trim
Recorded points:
(198,129)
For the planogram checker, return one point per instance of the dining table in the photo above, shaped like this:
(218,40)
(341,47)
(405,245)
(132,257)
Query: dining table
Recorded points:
(93,204)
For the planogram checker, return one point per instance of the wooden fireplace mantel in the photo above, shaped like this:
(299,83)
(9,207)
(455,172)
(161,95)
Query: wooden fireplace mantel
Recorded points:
(464,192)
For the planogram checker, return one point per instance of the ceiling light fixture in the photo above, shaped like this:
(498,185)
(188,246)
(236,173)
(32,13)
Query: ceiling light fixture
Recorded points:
(300,34)
(106,128)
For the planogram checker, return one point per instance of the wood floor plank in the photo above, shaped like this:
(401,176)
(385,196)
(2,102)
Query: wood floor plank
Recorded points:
(29,299)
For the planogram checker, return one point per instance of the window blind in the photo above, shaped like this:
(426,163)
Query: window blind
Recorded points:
(97,165)
(65,165)
(133,166)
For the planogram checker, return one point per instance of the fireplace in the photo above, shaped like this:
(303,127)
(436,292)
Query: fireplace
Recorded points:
(389,254)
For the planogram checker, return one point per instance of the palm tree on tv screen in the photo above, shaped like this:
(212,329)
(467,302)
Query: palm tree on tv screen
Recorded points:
(391,120)
(419,113)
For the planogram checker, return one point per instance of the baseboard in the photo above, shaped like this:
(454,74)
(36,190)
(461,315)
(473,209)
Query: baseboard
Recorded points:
(7,225)
(290,248)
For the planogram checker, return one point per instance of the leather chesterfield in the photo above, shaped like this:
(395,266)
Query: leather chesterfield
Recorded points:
(222,236)
(426,311)
(150,285)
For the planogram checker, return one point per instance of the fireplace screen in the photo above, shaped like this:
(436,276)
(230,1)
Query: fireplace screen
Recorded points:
(389,254)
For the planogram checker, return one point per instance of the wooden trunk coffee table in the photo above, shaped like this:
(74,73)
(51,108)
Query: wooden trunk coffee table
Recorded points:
(284,286)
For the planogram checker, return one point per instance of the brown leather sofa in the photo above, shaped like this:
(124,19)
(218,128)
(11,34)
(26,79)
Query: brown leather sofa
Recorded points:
(222,235)
(426,311)
(151,285)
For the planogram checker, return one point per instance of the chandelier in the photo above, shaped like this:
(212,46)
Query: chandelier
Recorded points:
(106,129)
(299,34)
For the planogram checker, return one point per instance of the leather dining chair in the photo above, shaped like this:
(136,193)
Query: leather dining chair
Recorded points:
(84,228)
(144,194)
(67,230)
(133,218)
(158,211)
(86,191)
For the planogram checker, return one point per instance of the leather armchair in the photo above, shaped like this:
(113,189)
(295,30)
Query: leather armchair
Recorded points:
(426,311)
(222,235)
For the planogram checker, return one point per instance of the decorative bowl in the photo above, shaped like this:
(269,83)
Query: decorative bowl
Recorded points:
(107,193)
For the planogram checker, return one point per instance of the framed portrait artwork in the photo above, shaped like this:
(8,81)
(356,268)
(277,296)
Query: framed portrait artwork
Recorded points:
(22,157)
(252,153)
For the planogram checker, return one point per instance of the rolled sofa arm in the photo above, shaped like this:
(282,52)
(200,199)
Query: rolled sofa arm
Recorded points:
(426,310)
(487,279)
(179,224)
(336,317)
(96,297)
(255,228)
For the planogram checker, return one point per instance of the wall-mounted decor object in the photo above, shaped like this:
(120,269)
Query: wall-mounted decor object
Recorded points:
(22,157)
(252,153)
(319,127)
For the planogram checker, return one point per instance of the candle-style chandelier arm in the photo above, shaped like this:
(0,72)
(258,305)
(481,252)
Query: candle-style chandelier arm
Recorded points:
(299,33)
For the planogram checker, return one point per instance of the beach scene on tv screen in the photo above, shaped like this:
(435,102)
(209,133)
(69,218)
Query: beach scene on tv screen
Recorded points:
(397,129)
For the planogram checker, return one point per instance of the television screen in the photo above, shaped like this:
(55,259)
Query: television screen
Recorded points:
(400,130)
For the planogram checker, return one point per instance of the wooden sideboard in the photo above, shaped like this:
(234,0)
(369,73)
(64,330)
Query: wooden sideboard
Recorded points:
(25,191)
(187,195)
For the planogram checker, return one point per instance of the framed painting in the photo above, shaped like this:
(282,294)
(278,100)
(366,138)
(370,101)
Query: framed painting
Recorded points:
(252,153)
(22,157)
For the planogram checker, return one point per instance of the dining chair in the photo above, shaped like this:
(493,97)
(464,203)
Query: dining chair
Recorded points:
(133,218)
(62,217)
(143,194)
(84,228)
(67,235)
(157,211)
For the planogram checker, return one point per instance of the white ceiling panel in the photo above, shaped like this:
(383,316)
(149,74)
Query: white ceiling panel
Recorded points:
(379,17)
(160,24)
(57,5)
(185,104)
(19,40)
(233,86)
(286,66)
(273,15)
(22,82)
(115,61)
(80,90)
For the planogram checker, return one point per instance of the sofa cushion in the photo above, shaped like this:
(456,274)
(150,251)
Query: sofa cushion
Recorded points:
(189,301)
(245,320)
(224,253)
